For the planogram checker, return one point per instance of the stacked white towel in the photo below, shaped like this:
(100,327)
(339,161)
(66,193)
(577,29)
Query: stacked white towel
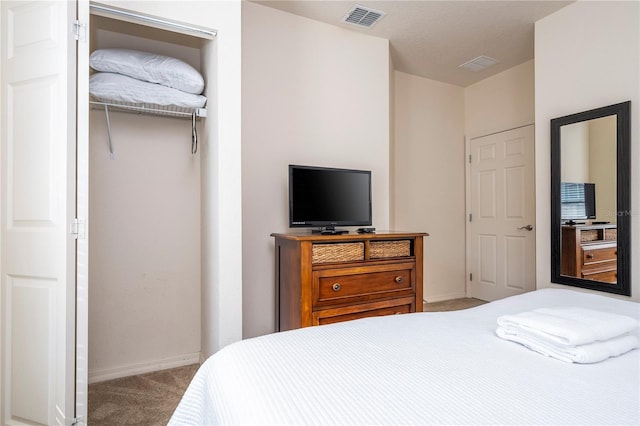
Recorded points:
(571,334)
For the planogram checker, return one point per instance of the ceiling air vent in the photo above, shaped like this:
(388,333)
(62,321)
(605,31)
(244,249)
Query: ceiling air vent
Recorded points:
(479,63)
(362,16)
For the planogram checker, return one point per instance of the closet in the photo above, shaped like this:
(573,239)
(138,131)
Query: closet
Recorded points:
(144,217)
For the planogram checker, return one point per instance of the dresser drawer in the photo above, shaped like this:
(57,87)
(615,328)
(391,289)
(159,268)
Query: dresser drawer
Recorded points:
(341,285)
(598,255)
(604,276)
(388,307)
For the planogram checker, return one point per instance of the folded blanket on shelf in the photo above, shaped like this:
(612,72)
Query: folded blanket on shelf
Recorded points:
(116,87)
(568,325)
(583,354)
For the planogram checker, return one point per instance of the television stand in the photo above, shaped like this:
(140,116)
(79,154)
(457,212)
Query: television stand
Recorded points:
(323,279)
(329,230)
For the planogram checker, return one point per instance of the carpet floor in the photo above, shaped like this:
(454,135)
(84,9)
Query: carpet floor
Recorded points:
(150,399)
(452,305)
(145,399)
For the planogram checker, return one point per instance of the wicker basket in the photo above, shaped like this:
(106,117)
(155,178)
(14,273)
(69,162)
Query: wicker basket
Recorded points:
(386,249)
(589,235)
(340,252)
(611,234)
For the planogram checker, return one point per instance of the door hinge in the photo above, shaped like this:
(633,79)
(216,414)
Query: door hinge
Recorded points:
(470,217)
(470,277)
(77,229)
(80,30)
(469,158)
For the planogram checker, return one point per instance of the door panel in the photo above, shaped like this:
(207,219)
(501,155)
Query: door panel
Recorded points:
(31,347)
(82,212)
(487,187)
(502,254)
(515,253)
(487,259)
(38,204)
(515,190)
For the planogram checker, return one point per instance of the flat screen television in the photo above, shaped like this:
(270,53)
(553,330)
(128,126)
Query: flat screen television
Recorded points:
(324,198)
(578,201)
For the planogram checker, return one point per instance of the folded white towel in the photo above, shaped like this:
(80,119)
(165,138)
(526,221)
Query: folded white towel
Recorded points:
(583,354)
(568,326)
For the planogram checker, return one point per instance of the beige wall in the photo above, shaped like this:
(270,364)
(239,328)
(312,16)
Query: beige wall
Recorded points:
(501,102)
(587,56)
(575,153)
(144,246)
(312,94)
(602,166)
(428,163)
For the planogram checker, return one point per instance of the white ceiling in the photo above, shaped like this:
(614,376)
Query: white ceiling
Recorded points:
(432,38)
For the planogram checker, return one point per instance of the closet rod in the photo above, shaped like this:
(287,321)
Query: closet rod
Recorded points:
(110,12)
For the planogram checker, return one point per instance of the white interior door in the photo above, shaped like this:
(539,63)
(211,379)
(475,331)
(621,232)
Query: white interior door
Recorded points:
(38,205)
(82,213)
(502,234)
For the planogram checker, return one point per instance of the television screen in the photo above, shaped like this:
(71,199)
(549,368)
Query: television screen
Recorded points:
(578,200)
(328,197)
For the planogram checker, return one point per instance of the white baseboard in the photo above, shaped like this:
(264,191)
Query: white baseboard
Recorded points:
(443,297)
(145,367)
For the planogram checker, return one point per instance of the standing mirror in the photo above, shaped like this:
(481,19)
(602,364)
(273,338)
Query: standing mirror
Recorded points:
(590,199)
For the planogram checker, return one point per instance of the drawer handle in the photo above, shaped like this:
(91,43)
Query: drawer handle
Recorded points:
(399,279)
(336,287)
(590,256)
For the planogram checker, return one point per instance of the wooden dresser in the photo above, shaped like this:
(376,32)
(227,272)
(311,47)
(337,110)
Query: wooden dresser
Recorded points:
(322,279)
(590,252)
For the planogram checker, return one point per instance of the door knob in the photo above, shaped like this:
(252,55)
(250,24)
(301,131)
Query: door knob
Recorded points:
(528,227)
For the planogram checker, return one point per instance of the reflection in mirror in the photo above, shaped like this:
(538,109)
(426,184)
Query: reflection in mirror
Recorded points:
(590,199)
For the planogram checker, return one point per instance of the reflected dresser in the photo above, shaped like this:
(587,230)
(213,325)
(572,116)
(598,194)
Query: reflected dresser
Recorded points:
(590,252)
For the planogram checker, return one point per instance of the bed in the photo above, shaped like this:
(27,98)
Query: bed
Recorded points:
(421,368)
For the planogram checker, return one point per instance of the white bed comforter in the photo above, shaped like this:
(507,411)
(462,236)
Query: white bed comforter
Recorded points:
(423,368)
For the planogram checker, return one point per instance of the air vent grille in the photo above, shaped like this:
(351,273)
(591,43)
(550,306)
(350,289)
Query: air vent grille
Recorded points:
(479,63)
(362,16)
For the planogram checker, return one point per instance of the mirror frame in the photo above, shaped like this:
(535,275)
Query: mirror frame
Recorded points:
(623,199)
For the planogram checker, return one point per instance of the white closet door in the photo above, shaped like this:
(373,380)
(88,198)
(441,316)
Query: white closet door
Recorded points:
(82,209)
(38,205)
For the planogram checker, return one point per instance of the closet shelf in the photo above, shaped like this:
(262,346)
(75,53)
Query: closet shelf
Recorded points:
(152,109)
